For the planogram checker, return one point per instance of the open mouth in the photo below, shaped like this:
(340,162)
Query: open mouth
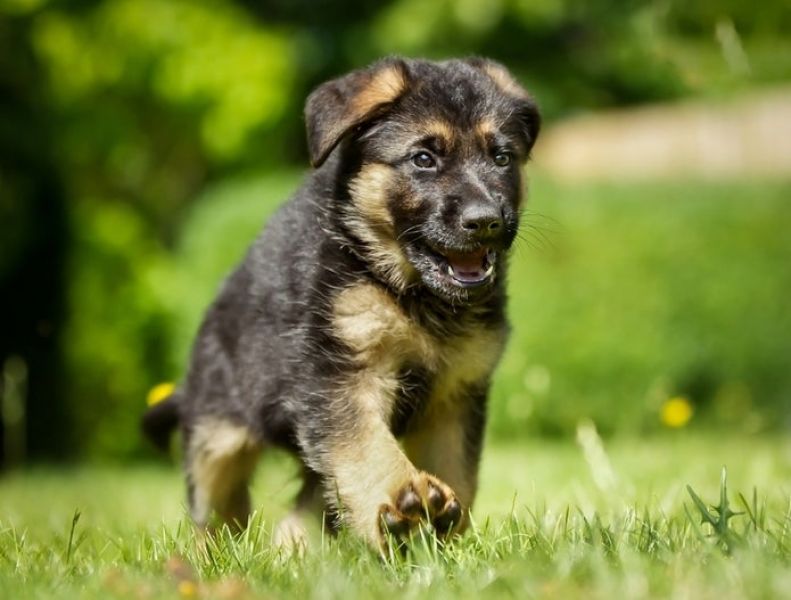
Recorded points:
(469,269)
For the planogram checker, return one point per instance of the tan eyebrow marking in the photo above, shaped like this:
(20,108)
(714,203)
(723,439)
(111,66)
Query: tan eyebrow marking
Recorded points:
(439,129)
(485,128)
(485,131)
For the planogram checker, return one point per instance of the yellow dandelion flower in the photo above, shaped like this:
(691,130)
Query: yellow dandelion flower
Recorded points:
(676,412)
(187,589)
(159,392)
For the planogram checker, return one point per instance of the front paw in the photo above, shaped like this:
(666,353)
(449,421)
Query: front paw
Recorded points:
(424,499)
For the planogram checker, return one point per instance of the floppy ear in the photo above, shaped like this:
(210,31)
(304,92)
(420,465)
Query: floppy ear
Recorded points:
(338,106)
(529,119)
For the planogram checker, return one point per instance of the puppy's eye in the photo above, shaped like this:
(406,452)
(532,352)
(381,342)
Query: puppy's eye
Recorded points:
(502,159)
(423,160)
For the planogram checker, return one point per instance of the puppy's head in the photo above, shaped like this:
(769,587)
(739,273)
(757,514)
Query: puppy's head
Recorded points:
(432,153)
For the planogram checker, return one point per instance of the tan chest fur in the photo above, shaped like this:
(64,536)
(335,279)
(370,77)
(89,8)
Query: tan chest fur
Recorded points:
(384,338)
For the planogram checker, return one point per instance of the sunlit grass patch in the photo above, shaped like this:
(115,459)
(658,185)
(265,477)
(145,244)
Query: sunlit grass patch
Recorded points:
(542,527)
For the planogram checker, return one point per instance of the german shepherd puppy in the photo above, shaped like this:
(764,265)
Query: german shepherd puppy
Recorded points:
(361,330)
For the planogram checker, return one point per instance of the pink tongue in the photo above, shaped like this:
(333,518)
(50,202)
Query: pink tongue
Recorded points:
(470,262)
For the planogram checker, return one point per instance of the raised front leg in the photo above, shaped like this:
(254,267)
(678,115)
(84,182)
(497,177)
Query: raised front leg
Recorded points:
(377,489)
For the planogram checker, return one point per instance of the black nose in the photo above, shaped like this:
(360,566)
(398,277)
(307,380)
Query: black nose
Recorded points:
(482,219)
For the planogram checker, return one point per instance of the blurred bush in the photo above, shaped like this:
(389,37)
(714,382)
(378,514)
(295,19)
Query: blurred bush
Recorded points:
(128,122)
(625,296)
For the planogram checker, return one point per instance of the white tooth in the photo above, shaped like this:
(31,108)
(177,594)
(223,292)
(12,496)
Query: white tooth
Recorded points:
(489,271)
(450,270)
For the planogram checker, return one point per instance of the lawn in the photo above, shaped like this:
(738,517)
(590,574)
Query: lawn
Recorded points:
(621,298)
(554,518)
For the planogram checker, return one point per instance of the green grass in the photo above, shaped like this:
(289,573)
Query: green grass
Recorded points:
(553,519)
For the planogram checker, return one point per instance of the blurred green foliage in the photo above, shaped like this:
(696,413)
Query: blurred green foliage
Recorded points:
(623,296)
(140,117)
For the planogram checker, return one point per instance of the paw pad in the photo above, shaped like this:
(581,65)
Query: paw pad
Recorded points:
(424,499)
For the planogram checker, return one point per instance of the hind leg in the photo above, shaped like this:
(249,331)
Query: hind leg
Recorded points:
(220,460)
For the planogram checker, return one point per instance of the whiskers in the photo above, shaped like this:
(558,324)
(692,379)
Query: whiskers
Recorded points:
(409,231)
(537,231)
